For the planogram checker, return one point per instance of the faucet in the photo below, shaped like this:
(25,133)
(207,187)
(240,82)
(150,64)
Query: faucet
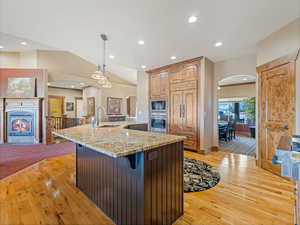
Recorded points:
(99,115)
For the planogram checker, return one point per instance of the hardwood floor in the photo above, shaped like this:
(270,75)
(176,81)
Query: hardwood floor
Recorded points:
(246,195)
(241,145)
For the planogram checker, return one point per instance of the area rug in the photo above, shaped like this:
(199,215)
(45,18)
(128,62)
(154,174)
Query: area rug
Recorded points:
(199,176)
(16,157)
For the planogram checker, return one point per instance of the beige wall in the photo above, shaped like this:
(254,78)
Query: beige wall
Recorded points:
(29,59)
(18,59)
(142,97)
(206,107)
(117,91)
(9,59)
(69,95)
(237,91)
(244,65)
(278,44)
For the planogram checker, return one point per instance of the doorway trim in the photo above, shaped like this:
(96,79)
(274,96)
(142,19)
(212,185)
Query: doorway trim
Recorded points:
(290,58)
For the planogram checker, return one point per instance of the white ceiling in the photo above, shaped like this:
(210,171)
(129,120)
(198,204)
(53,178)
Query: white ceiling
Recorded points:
(67,84)
(237,79)
(75,25)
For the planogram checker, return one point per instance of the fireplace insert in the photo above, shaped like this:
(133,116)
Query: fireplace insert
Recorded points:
(20,124)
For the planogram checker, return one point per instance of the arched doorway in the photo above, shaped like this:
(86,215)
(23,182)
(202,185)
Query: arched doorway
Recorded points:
(236,114)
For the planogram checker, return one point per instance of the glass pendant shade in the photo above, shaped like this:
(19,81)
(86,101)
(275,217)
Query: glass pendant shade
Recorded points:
(100,73)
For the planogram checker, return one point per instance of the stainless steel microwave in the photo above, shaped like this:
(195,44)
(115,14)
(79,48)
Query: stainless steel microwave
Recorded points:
(158,106)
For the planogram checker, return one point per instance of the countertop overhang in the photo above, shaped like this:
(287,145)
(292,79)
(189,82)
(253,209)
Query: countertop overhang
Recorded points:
(116,141)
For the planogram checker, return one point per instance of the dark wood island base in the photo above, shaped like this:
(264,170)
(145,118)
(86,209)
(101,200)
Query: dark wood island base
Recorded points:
(142,188)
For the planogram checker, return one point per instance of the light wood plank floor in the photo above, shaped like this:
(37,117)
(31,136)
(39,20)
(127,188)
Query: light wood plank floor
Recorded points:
(246,195)
(240,145)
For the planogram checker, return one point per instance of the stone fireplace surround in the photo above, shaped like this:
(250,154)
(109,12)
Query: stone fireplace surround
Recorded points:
(18,107)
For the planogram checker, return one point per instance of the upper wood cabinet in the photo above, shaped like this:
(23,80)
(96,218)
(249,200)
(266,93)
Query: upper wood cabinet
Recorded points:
(159,85)
(184,73)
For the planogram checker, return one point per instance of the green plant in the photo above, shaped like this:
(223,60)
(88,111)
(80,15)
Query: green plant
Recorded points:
(250,107)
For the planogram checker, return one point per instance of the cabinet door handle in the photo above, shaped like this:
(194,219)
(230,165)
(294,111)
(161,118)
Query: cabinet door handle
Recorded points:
(180,110)
(183,110)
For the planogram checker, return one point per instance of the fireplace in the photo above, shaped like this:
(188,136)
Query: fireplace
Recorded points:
(20,124)
(23,121)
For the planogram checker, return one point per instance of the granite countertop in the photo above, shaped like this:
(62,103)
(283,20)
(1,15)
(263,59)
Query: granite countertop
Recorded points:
(116,141)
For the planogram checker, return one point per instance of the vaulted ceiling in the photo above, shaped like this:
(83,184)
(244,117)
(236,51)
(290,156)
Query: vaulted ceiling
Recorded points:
(75,26)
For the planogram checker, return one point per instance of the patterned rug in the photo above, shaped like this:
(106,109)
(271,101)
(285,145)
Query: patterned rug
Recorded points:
(199,176)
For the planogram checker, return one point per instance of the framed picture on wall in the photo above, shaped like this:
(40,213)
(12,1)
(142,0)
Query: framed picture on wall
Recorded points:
(114,106)
(20,87)
(91,106)
(70,106)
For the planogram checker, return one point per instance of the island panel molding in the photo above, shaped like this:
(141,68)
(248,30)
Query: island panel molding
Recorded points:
(142,188)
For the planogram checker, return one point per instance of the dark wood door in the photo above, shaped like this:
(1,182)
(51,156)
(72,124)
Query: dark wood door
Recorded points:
(277,111)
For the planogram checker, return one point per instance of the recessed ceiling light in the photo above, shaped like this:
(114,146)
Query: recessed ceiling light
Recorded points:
(1,46)
(219,88)
(111,56)
(173,57)
(192,19)
(218,44)
(49,83)
(23,43)
(141,42)
(143,67)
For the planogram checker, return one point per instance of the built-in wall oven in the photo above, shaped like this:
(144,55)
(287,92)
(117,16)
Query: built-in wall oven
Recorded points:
(158,123)
(159,115)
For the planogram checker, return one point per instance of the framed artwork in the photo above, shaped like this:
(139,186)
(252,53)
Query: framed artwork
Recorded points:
(91,106)
(70,106)
(114,106)
(20,87)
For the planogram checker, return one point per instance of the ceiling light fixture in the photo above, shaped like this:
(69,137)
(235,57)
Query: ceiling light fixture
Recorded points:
(218,44)
(219,88)
(23,43)
(111,56)
(173,57)
(1,46)
(100,74)
(143,67)
(141,42)
(192,19)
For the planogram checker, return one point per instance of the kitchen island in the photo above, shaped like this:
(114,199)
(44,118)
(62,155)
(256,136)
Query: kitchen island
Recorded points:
(133,176)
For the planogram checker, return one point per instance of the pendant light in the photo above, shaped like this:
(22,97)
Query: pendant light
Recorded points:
(100,74)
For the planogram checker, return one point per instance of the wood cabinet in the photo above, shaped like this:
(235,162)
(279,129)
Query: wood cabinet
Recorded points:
(184,73)
(178,83)
(159,85)
(183,116)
